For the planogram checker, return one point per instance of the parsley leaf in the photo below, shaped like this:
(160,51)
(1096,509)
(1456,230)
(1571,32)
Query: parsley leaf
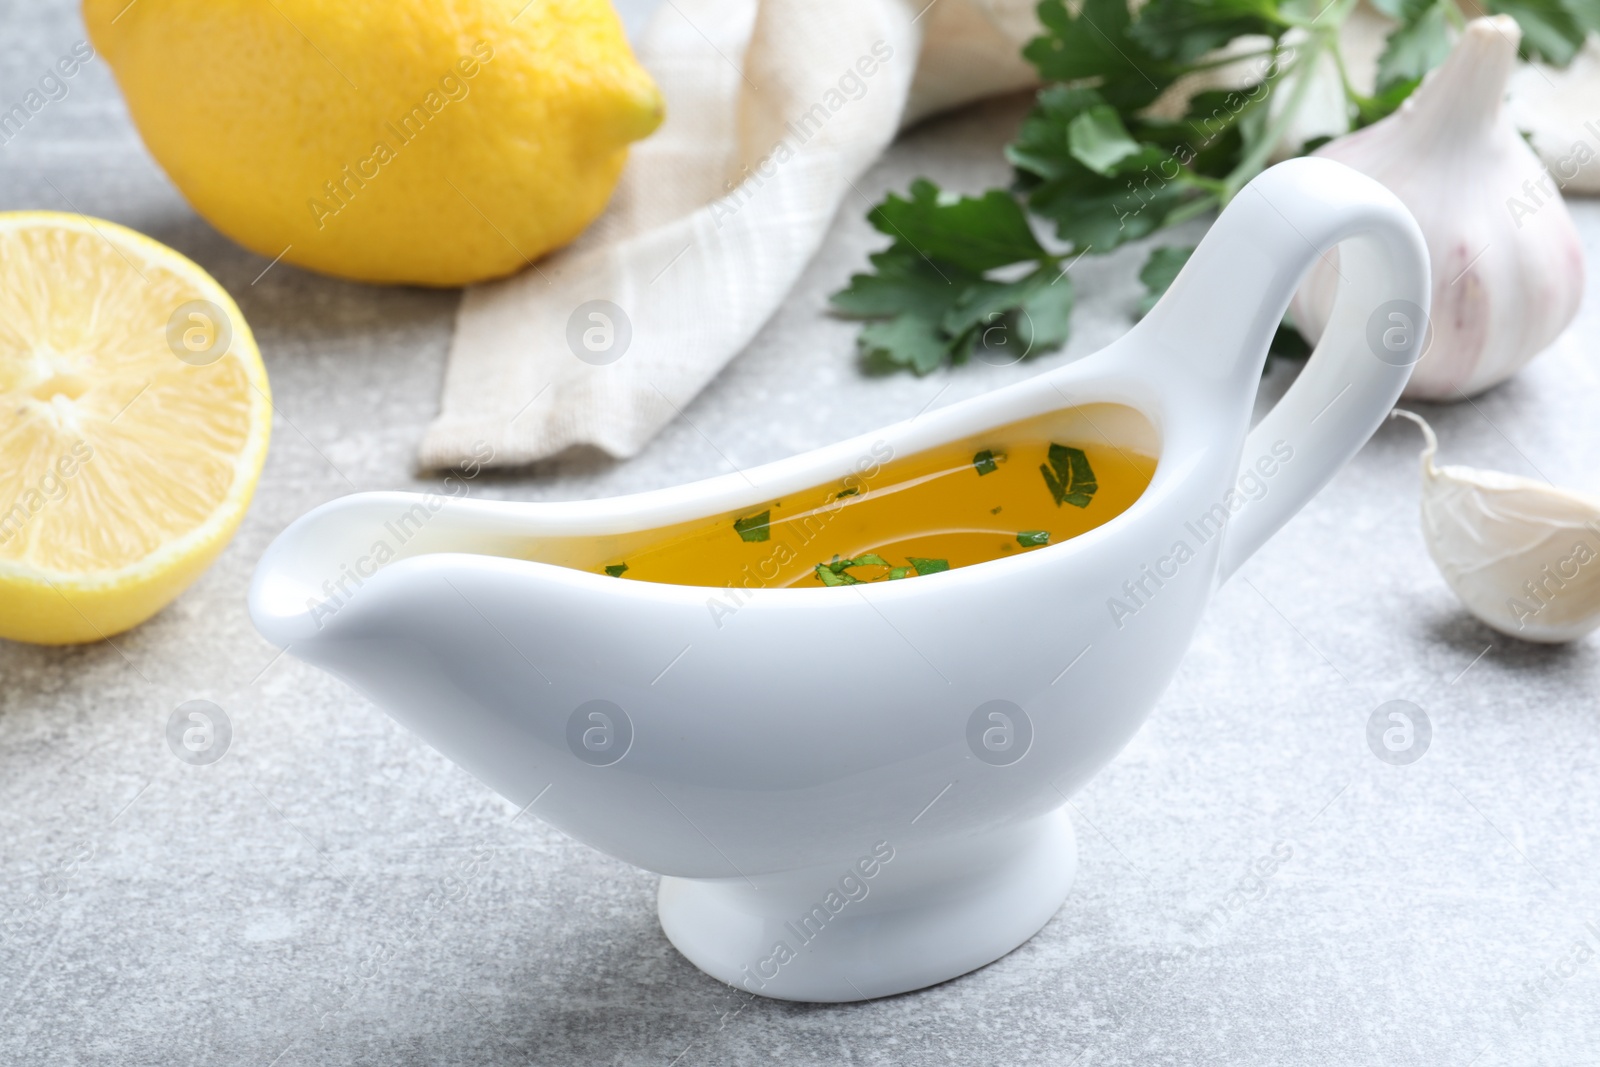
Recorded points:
(1552,30)
(976,233)
(617,570)
(1159,272)
(1097,138)
(1044,318)
(1185,30)
(828,576)
(1069,477)
(985,462)
(1030,538)
(1094,46)
(1370,109)
(908,340)
(754,527)
(837,571)
(1082,168)
(929,297)
(903,280)
(1416,47)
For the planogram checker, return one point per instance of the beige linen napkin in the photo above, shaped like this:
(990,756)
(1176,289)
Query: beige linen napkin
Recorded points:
(774,109)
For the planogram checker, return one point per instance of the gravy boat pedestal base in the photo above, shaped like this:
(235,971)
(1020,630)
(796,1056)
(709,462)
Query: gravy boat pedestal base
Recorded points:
(854,792)
(830,933)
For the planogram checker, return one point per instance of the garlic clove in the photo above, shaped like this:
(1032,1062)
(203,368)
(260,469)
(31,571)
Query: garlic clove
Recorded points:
(1560,110)
(1324,108)
(1325,111)
(1217,73)
(1523,556)
(1507,260)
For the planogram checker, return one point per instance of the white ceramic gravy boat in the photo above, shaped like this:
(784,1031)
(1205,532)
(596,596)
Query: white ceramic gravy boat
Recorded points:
(853,792)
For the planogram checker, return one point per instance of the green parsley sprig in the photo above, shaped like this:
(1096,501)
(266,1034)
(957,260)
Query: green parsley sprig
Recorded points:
(1098,166)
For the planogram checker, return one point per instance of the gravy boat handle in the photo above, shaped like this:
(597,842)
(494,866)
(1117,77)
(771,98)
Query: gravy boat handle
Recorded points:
(1264,243)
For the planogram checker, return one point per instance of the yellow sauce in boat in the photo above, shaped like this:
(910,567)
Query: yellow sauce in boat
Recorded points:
(1014,489)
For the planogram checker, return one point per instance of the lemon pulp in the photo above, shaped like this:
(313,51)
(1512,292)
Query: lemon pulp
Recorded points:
(134,417)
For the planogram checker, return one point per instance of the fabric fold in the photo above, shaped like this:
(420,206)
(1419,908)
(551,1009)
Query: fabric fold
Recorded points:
(774,110)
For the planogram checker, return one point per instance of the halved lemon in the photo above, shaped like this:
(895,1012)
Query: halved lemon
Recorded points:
(134,416)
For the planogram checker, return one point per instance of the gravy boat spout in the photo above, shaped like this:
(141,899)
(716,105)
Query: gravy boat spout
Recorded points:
(860,790)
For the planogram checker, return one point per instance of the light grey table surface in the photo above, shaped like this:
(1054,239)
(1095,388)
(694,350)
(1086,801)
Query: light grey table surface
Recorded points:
(312,898)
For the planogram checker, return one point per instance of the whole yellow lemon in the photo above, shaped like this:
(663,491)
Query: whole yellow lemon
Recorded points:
(434,142)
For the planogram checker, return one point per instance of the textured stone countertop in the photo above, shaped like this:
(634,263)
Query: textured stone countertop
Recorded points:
(274,907)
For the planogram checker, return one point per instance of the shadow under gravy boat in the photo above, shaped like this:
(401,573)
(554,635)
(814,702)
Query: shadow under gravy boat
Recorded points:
(855,792)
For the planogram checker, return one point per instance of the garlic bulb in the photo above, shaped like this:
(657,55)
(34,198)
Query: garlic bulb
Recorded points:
(1523,556)
(1507,262)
